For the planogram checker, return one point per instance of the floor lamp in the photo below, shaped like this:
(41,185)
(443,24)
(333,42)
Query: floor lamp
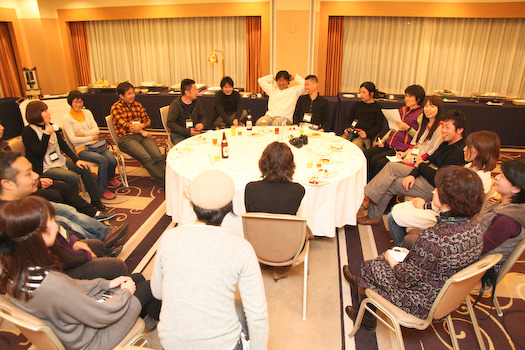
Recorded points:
(213,59)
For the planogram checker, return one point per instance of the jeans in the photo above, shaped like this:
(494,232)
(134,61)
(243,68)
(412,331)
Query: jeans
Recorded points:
(397,232)
(146,151)
(81,223)
(70,175)
(176,138)
(106,166)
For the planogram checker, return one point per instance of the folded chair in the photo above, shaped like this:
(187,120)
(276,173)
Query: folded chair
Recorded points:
(279,240)
(164,117)
(43,337)
(507,265)
(119,155)
(455,290)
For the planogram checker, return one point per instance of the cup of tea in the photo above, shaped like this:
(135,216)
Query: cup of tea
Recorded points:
(276,130)
(263,123)
(233,131)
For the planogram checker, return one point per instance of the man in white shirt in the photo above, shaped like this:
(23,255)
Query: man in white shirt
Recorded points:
(282,97)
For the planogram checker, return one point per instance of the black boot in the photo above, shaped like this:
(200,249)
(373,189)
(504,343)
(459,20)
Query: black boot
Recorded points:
(352,280)
(369,322)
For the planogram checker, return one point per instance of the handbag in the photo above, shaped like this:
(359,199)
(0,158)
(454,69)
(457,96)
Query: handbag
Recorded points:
(98,146)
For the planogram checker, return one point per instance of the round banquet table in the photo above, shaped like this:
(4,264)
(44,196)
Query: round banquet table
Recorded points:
(326,207)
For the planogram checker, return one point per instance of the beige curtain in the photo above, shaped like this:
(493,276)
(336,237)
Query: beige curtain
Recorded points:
(167,50)
(334,55)
(9,78)
(81,52)
(253,53)
(463,55)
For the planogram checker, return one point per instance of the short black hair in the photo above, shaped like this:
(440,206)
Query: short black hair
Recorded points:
(185,85)
(73,95)
(123,87)
(514,171)
(458,118)
(418,92)
(312,77)
(7,171)
(226,80)
(212,217)
(369,86)
(283,74)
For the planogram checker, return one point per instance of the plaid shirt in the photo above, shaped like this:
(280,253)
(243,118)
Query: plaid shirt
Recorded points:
(124,115)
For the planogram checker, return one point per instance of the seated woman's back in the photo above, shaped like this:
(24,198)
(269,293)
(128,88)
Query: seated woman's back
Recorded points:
(275,193)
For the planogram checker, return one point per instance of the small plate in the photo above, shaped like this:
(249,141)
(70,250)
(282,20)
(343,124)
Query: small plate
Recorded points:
(318,184)
(348,95)
(326,172)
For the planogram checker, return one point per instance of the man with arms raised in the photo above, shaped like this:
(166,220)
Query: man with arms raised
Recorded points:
(196,271)
(78,258)
(312,108)
(282,98)
(131,120)
(186,115)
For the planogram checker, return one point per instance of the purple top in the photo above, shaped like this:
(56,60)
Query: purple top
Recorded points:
(501,228)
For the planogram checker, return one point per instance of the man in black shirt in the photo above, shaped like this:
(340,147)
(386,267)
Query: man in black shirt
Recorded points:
(227,106)
(397,178)
(186,115)
(312,108)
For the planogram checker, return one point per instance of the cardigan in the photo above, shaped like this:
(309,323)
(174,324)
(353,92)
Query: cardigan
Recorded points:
(76,313)
(177,115)
(37,149)
(89,127)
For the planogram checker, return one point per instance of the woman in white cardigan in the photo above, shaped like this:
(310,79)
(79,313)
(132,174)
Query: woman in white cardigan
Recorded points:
(81,128)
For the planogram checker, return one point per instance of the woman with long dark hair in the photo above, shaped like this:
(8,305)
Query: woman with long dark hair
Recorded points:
(84,314)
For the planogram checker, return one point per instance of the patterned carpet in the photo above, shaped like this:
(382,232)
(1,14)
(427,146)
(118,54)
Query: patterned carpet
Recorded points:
(142,205)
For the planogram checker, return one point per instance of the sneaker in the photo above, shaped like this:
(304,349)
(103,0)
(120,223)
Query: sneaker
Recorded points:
(98,205)
(101,216)
(109,195)
(115,182)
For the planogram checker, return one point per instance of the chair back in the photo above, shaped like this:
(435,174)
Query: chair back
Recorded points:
(33,328)
(507,265)
(457,287)
(111,128)
(164,117)
(68,141)
(275,237)
(17,145)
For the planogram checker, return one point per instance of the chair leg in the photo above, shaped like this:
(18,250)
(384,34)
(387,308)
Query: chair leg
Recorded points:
(83,189)
(122,169)
(498,308)
(474,320)
(305,282)
(358,320)
(452,332)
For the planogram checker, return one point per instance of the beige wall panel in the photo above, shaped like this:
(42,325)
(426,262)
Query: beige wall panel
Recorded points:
(292,42)
(56,72)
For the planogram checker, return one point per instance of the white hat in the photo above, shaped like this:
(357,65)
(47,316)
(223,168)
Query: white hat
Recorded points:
(211,189)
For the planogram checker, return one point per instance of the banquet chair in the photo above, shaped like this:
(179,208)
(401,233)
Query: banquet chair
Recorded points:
(43,337)
(119,155)
(164,117)
(279,240)
(92,166)
(503,270)
(17,145)
(455,290)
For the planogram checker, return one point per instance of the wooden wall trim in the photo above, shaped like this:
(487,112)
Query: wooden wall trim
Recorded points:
(407,9)
(225,9)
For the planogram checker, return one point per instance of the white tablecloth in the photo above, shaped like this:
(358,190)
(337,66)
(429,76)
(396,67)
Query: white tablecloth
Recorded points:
(325,207)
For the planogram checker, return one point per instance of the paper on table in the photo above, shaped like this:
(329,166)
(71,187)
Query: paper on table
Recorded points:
(392,115)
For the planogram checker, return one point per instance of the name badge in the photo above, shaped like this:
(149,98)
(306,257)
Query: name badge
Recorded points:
(307,117)
(189,123)
(354,123)
(415,151)
(135,121)
(53,156)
